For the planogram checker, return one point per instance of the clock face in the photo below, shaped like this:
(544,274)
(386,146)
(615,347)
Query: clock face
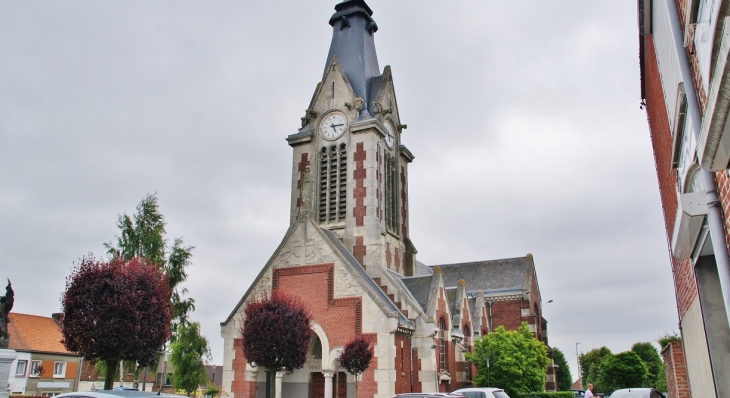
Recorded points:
(390,136)
(333,126)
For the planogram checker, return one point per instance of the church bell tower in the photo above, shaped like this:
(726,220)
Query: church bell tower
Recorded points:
(350,168)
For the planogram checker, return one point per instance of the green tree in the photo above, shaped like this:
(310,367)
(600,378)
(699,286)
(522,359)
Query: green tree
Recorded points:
(650,356)
(517,360)
(143,235)
(187,356)
(590,365)
(623,370)
(563,376)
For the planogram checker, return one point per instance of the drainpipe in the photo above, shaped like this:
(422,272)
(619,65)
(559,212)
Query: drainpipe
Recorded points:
(490,316)
(714,214)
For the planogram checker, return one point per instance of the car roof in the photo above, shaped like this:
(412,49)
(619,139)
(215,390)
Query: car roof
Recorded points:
(490,389)
(117,394)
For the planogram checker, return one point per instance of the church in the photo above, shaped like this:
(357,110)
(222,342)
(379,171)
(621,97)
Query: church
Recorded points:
(347,253)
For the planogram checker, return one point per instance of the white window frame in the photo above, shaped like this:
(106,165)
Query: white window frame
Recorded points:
(31,372)
(62,374)
(25,367)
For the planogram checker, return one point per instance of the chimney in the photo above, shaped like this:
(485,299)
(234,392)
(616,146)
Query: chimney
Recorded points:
(57,317)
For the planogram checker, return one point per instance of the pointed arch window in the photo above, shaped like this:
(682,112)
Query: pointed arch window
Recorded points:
(333,183)
(442,344)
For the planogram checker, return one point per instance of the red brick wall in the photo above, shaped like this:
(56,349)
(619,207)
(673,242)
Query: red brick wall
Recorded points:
(723,190)
(341,319)
(301,168)
(675,370)
(359,192)
(416,368)
(368,387)
(661,141)
(402,364)
(507,314)
(359,250)
(239,387)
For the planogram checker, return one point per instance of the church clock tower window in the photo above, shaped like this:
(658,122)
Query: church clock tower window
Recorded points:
(333,183)
(391,193)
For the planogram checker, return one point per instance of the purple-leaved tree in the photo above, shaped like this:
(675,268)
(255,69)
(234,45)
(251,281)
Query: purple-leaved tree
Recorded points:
(356,357)
(116,310)
(276,333)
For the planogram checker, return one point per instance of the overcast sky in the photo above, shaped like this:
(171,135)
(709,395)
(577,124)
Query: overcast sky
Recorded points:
(523,117)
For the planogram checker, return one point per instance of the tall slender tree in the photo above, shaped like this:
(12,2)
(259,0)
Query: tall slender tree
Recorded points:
(188,355)
(564,378)
(143,235)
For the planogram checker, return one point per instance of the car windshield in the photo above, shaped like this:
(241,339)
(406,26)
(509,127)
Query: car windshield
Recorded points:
(472,394)
(630,394)
(500,394)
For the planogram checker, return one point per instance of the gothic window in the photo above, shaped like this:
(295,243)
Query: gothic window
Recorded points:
(467,344)
(392,221)
(316,347)
(442,344)
(333,183)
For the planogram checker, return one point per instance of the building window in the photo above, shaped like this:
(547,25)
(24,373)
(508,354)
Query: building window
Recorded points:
(51,393)
(35,368)
(20,369)
(442,344)
(59,370)
(392,221)
(333,183)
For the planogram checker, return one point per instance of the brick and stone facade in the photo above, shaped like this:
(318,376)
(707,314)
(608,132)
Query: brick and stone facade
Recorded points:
(348,255)
(683,45)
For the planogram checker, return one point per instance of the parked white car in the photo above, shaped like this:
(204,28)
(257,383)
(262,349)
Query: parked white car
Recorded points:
(482,392)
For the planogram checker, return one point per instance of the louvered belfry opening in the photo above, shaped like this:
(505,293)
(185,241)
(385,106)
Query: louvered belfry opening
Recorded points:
(333,183)
(391,194)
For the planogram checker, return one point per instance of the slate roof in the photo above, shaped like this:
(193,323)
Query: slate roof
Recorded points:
(32,333)
(490,276)
(422,269)
(353,43)
(420,288)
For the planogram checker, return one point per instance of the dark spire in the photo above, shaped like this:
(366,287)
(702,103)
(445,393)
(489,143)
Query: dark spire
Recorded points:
(353,43)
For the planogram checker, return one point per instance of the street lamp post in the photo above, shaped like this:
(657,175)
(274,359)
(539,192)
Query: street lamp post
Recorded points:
(577,358)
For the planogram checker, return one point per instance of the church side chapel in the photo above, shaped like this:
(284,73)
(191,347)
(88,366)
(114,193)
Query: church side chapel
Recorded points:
(347,253)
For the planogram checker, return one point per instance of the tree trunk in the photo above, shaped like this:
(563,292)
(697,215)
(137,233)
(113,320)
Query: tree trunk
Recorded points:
(111,370)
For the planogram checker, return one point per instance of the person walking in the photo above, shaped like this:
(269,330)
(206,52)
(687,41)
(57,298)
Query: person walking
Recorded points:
(589,391)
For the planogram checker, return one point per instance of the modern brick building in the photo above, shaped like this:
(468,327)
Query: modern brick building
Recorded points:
(685,85)
(348,254)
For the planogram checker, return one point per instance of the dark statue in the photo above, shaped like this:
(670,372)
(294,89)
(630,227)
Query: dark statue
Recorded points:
(6,304)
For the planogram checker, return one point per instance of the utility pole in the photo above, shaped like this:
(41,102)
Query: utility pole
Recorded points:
(577,358)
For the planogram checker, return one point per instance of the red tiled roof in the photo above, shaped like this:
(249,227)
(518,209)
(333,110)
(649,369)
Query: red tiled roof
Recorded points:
(32,333)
